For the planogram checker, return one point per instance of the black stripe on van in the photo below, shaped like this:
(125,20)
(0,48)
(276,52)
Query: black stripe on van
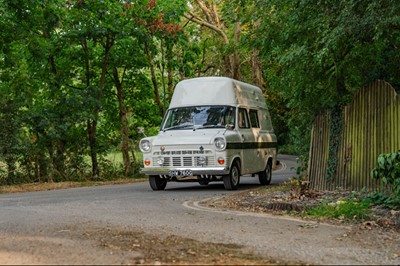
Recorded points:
(252,145)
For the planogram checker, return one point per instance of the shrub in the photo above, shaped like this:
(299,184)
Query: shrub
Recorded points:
(388,172)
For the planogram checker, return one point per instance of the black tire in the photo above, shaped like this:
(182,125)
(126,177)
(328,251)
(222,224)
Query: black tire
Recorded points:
(266,175)
(157,183)
(231,181)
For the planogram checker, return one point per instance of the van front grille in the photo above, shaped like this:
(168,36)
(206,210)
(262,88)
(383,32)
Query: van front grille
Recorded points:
(176,161)
(189,159)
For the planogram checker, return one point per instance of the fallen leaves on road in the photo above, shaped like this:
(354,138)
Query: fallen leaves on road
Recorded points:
(157,250)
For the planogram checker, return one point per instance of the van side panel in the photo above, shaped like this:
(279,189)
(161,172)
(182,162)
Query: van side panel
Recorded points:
(249,95)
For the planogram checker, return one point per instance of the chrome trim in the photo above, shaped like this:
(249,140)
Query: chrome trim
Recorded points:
(224,170)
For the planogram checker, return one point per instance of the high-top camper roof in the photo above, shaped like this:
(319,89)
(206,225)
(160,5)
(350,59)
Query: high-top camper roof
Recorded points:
(216,91)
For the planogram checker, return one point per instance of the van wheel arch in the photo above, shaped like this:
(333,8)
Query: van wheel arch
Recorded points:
(236,160)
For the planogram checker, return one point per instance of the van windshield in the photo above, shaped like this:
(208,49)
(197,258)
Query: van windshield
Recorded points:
(198,117)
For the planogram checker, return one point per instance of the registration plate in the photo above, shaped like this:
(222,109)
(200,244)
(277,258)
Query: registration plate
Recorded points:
(180,173)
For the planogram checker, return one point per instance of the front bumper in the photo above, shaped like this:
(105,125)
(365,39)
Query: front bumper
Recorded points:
(196,171)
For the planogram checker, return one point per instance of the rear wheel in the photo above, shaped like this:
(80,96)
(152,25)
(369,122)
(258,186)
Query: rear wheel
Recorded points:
(266,175)
(231,181)
(157,183)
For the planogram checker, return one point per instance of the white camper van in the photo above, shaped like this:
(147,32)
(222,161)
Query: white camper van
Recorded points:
(216,129)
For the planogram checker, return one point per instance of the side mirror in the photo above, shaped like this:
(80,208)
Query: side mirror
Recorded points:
(230,126)
(141,131)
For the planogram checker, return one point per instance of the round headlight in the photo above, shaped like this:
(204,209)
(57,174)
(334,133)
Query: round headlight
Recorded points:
(220,143)
(145,145)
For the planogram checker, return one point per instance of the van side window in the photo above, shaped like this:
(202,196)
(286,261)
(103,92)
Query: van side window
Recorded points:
(229,116)
(243,119)
(254,119)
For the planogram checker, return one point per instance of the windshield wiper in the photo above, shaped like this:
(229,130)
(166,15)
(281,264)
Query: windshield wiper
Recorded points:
(210,126)
(179,127)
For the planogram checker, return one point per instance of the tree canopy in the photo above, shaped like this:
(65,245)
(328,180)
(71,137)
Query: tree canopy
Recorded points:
(80,77)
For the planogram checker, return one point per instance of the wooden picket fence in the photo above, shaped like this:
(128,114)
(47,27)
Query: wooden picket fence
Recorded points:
(371,126)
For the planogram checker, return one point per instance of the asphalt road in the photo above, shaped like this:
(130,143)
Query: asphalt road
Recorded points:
(132,204)
(171,212)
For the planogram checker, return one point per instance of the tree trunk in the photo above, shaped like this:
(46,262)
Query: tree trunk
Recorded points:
(180,61)
(153,78)
(213,22)
(40,159)
(36,169)
(256,64)
(236,59)
(91,125)
(10,169)
(228,66)
(170,72)
(124,123)
(42,167)
(59,160)
(51,155)
(257,70)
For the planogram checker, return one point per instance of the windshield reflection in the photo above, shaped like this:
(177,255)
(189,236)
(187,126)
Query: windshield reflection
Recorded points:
(198,117)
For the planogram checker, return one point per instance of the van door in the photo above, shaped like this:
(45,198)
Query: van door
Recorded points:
(259,137)
(248,152)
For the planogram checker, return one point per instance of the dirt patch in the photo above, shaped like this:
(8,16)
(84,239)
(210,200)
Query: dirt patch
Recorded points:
(63,185)
(284,200)
(94,244)
(155,249)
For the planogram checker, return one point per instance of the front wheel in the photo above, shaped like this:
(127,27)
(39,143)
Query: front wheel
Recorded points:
(231,181)
(203,182)
(157,183)
(266,175)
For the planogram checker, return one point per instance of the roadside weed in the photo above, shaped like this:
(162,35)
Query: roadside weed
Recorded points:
(346,209)
(387,171)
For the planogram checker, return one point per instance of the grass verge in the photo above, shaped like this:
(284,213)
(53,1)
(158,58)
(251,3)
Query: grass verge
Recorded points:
(62,185)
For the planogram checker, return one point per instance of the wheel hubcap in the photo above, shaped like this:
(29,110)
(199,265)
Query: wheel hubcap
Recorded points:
(268,172)
(235,175)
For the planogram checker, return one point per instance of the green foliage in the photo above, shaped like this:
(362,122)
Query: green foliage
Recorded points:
(298,141)
(57,60)
(383,199)
(388,172)
(48,93)
(279,115)
(318,53)
(350,208)
(301,170)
